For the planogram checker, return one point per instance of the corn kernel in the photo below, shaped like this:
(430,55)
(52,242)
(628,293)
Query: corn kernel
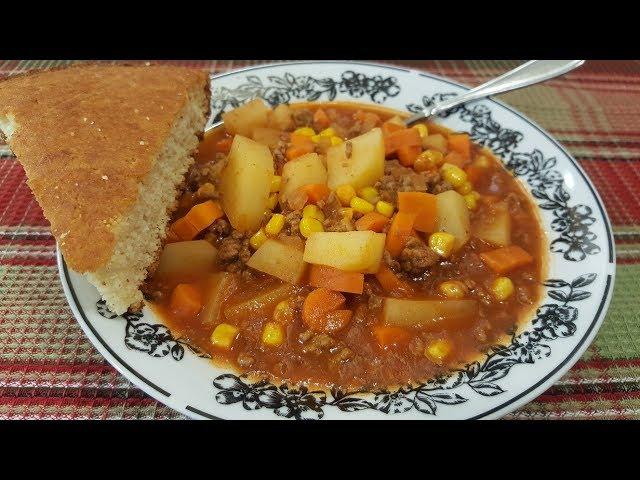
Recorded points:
(347,213)
(436,156)
(384,208)
(360,205)
(306,131)
(310,225)
(437,351)
(482,162)
(328,132)
(502,288)
(275,224)
(315,138)
(420,165)
(442,243)
(345,193)
(224,335)
(276,181)
(465,188)
(471,200)
(283,313)
(257,239)
(370,194)
(273,334)
(313,211)
(428,160)
(453,174)
(422,129)
(335,140)
(453,289)
(273,201)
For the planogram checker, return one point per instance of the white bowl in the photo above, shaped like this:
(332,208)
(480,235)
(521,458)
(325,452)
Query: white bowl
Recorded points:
(581,271)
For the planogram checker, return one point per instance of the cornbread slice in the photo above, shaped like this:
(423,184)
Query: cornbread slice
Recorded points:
(105,149)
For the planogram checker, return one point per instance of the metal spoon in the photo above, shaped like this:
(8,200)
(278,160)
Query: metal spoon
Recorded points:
(534,71)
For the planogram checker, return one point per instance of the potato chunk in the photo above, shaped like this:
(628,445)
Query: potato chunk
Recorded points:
(186,258)
(496,228)
(259,303)
(359,251)
(245,183)
(453,217)
(435,142)
(305,170)
(429,315)
(282,260)
(267,136)
(281,118)
(242,120)
(360,167)
(220,286)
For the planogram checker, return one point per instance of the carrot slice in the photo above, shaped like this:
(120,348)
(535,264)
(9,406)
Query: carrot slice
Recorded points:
(295,151)
(399,232)
(336,321)
(408,154)
(460,142)
(390,281)
(475,173)
(183,229)
(423,205)
(406,137)
(389,127)
(300,145)
(505,259)
(372,221)
(322,300)
(204,214)
(322,276)
(316,192)
(172,237)
(321,119)
(299,139)
(316,309)
(197,219)
(185,300)
(387,336)
(368,117)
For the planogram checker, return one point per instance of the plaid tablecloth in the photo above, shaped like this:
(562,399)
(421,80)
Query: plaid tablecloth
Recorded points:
(48,368)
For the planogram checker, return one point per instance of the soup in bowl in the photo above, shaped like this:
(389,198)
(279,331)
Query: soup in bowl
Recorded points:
(329,244)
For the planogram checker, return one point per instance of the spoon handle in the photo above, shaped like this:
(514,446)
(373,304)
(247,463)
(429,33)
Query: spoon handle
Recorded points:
(533,71)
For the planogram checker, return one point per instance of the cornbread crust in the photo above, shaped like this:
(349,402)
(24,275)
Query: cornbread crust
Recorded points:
(87,136)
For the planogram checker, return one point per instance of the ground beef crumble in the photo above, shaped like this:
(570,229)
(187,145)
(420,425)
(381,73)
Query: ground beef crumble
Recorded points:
(416,257)
(280,153)
(234,252)
(291,221)
(334,220)
(302,117)
(398,178)
(391,262)
(221,228)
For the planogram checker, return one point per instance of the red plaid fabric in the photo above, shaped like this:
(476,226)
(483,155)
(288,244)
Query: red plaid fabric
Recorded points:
(48,369)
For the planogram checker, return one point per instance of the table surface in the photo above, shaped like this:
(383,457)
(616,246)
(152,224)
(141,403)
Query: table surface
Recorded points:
(49,369)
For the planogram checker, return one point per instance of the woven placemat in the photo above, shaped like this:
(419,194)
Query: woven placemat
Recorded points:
(48,369)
